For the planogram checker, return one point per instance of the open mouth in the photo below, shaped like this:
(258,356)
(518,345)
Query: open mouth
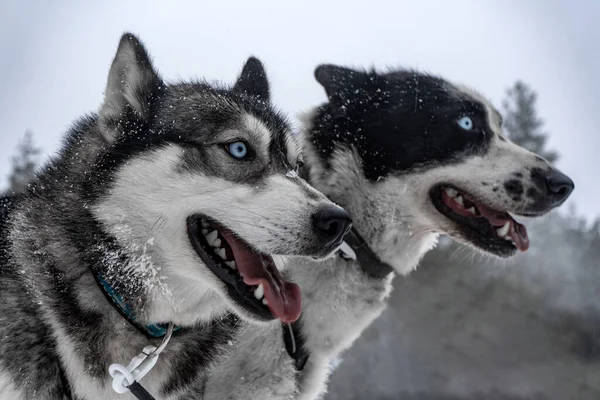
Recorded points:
(492,230)
(251,277)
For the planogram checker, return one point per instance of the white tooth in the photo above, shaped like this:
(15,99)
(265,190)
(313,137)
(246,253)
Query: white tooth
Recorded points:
(508,238)
(265,302)
(471,210)
(211,236)
(204,223)
(259,292)
(216,243)
(221,253)
(459,200)
(231,264)
(504,230)
(451,192)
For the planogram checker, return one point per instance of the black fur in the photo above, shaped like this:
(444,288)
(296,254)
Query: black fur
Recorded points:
(397,120)
(253,80)
(44,274)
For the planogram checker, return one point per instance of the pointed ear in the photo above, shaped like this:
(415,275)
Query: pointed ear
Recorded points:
(339,82)
(131,88)
(253,80)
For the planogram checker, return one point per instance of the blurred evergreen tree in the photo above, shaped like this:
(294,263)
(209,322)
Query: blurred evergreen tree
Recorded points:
(25,163)
(521,122)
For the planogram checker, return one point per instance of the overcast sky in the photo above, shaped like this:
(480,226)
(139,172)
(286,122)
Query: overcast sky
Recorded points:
(55,57)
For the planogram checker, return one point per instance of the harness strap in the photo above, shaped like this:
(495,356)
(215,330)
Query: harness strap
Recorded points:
(152,331)
(294,344)
(367,259)
(139,392)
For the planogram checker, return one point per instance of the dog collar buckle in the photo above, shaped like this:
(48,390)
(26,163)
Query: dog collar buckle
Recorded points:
(126,378)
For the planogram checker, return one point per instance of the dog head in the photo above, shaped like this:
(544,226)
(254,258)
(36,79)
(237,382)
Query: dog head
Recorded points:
(425,156)
(199,187)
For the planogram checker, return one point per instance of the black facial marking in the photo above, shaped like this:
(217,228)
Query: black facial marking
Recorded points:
(538,176)
(514,186)
(518,174)
(484,184)
(184,117)
(397,120)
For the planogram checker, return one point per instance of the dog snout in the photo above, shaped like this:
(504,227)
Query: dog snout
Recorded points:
(559,186)
(331,224)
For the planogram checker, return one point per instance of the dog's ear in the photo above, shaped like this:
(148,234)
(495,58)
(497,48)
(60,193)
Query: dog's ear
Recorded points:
(130,90)
(253,80)
(339,82)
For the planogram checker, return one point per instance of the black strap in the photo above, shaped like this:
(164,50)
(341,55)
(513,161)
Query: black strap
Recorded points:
(153,331)
(368,261)
(139,392)
(294,344)
(136,389)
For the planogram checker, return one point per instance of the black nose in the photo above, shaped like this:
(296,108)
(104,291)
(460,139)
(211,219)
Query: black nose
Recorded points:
(331,224)
(559,185)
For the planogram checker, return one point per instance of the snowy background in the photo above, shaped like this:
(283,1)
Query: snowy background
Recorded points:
(55,56)
(462,326)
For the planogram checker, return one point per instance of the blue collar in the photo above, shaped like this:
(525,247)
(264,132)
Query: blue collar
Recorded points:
(152,331)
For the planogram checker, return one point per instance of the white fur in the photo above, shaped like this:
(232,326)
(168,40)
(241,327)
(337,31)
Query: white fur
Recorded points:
(8,391)
(401,225)
(146,211)
(340,302)
(257,367)
(258,129)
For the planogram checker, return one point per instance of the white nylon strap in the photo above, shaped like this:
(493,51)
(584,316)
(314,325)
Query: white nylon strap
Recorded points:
(347,252)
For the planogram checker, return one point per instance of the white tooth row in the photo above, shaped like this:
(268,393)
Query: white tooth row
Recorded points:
(212,237)
(503,232)
(259,293)
(453,193)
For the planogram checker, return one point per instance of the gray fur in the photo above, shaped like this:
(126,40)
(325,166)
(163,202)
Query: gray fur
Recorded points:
(396,218)
(115,201)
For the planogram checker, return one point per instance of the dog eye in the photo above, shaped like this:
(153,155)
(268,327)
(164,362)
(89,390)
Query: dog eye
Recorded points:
(239,150)
(465,123)
(299,166)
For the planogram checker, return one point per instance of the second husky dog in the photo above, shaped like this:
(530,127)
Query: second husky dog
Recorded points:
(167,207)
(410,156)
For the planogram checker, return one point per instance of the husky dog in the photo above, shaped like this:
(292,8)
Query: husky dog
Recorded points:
(168,206)
(410,156)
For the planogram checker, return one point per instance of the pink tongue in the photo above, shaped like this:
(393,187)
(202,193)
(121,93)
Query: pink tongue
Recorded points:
(284,298)
(517,231)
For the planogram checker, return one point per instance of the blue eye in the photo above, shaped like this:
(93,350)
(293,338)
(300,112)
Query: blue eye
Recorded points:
(238,149)
(465,123)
